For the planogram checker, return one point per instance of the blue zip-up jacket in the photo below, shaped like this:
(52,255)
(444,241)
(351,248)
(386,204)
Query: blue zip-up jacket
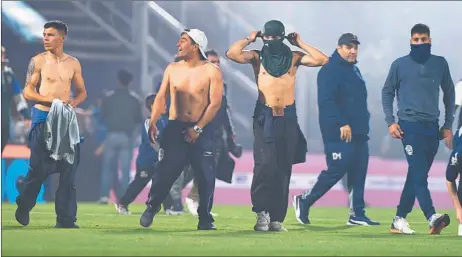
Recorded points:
(418,88)
(147,155)
(342,100)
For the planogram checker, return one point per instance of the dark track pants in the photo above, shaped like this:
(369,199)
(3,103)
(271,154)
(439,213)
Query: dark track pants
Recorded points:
(141,179)
(174,154)
(420,150)
(343,158)
(41,166)
(273,167)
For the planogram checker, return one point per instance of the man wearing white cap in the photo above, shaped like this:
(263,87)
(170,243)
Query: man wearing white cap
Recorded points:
(195,88)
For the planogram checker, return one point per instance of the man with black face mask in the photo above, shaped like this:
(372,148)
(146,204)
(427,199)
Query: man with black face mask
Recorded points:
(279,142)
(417,79)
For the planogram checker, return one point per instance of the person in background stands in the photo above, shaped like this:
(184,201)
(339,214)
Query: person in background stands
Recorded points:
(120,113)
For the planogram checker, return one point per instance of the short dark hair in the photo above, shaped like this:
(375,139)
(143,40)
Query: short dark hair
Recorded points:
(149,101)
(124,77)
(58,25)
(420,29)
(201,57)
(211,52)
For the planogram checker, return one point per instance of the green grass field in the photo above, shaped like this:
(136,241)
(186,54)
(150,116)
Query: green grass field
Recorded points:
(103,232)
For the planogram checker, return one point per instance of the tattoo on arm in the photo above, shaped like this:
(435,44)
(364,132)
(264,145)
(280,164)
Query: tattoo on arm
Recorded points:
(30,70)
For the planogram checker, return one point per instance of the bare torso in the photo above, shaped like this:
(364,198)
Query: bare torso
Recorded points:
(55,77)
(189,91)
(276,92)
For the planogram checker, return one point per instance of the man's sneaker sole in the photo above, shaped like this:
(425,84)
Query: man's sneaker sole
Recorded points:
(261,228)
(59,225)
(357,223)
(206,227)
(147,218)
(278,228)
(22,217)
(441,223)
(394,230)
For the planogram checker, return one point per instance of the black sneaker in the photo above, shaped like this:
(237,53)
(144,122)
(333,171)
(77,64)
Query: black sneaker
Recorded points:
(22,217)
(59,225)
(148,216)
(206,225)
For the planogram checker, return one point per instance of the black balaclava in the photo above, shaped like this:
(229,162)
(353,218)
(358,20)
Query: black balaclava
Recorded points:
(275,56)
(420,53)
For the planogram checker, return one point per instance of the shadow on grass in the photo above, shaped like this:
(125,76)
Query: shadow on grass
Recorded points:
(388,235)
(258,234)
(139,230)
(320,228)
(121,230)
(25,228)
(239,233)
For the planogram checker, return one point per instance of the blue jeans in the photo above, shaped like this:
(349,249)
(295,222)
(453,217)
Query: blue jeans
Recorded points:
(117,149)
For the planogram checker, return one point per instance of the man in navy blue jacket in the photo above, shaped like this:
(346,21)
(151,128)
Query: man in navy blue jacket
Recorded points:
(344,122)
(417,79)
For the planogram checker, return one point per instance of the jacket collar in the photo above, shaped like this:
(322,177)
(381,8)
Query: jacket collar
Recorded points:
(338,59)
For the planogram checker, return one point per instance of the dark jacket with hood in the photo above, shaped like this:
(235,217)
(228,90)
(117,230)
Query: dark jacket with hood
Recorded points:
(342,100)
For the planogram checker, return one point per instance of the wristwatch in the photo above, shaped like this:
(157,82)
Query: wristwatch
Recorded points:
(197,129)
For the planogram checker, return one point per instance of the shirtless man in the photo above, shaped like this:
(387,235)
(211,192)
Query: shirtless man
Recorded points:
(279,142)
(195,87)
(55,71)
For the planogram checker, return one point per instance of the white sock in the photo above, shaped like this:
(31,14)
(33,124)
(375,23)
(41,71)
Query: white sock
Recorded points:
(460,229)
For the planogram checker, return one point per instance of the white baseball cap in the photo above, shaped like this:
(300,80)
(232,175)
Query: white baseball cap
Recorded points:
(200,38)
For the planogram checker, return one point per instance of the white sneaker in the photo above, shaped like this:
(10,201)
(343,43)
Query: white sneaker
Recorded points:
(277,227)
(192,205)
(401,226)
(122,210)
(171,212)
(104,200)
(437,222)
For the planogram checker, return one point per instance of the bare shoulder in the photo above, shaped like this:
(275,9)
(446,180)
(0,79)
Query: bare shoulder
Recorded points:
(40,56)
(173,66)
(74,61)
(38,60)
(212,69)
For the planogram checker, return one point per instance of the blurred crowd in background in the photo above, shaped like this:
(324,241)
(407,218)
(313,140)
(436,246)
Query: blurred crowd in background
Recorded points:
(140,37)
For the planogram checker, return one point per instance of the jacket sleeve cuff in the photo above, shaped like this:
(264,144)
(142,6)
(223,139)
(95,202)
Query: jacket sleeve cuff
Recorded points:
(447,125)
(390,120)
